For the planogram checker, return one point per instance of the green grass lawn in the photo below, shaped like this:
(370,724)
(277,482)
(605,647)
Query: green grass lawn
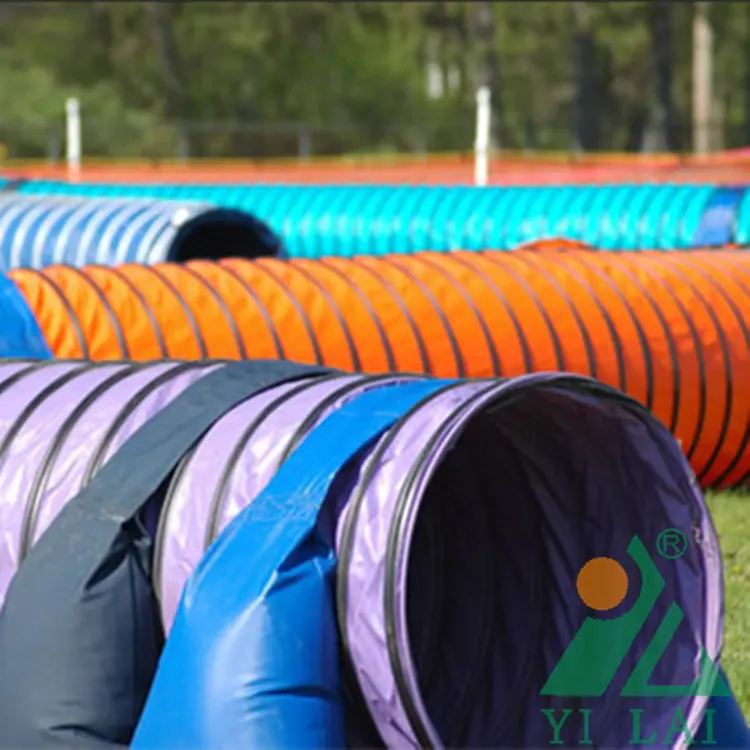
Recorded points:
(731,512)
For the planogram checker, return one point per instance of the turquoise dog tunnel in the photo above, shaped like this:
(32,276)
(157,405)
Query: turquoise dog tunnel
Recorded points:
(38,231)
(263,554)
(326,220)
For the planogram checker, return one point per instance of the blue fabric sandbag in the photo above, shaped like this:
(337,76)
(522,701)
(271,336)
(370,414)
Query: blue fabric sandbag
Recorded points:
(20,335)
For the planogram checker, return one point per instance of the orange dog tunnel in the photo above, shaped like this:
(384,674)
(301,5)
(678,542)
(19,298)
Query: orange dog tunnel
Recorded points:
(670,330)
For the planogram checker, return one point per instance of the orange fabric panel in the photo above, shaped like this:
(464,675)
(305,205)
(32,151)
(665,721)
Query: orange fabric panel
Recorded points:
(401,332)
(471,344)
(94,319)
(572,349)
(726,356)
(173,318)
(296,338)
(651,361)
(212,322)
(501,336)
(704,341)
(325,319)
(435,330)
(533,329)
(259,341)
(555,244)
(606,314)
(682,339)
(366,335)
(141,335)
(670,329)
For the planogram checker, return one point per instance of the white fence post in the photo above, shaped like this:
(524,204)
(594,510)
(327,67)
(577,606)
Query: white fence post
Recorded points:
(73,137)
(703,98)
(482,141)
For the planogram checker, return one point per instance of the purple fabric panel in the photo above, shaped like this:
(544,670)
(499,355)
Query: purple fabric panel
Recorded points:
(256,466)
(187,513)
(66,474)
(598,466)
(12,403)
(261,456)
(7,369)
(14,400)
(156,401)
(25,455)
(364,574)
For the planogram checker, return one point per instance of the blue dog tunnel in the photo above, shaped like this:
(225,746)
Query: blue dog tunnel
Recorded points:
(335,559)
(38,231)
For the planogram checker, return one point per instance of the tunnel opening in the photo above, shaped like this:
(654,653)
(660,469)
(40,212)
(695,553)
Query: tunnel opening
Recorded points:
(530,492)
(224,233)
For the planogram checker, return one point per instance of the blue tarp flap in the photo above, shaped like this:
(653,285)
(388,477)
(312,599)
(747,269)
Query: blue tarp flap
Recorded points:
(20,335)
(252,658)
(717,223)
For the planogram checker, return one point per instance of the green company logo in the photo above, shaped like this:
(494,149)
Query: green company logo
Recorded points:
(588,665)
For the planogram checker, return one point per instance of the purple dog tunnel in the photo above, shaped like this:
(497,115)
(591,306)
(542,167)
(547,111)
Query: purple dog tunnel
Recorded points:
(461,532)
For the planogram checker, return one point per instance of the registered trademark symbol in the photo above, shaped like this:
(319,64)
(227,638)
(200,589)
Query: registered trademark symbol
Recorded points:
(672,544)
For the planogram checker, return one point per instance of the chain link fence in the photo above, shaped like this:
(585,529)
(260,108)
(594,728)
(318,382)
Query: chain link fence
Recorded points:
(185,141)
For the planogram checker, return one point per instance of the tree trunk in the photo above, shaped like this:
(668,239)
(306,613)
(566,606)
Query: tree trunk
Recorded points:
(702,77)
(176,89)
(487,72)
(661,23)
(584,70)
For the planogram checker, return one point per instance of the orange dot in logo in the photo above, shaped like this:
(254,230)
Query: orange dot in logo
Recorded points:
(602,583)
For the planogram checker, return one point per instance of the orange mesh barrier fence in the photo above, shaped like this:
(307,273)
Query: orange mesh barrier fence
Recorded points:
(505,169)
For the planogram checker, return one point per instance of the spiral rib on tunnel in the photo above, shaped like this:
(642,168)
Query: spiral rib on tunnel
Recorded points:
(669,329)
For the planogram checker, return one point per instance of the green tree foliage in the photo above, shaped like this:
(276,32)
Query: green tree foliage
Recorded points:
(258,79)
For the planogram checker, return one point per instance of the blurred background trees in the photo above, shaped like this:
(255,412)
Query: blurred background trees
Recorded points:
(244,79)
